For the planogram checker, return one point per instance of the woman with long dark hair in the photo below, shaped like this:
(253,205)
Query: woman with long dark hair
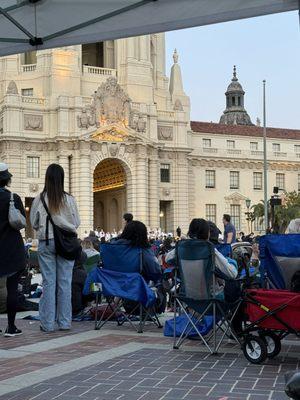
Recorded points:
(12,250)
(135,234)
(55,304)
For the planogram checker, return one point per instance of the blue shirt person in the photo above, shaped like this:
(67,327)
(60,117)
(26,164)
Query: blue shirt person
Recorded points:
(229,230)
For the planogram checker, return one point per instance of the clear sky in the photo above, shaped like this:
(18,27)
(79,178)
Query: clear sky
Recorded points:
(262,48)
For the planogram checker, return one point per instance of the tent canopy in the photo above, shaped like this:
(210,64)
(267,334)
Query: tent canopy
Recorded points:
(26,25)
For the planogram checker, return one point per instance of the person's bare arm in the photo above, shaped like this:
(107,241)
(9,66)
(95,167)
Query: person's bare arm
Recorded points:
(229,238)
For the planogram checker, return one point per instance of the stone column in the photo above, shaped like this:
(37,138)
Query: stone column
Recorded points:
(153,192)
(63,160)
(85,190)
(181,209)
(141,203)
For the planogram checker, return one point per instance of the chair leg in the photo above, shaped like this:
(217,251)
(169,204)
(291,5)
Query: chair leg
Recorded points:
(96,311)
(140,330)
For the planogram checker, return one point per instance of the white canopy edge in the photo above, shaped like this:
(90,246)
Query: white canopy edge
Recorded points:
(52,21)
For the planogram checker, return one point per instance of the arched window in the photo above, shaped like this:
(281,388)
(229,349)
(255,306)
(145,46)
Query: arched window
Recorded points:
(233,100)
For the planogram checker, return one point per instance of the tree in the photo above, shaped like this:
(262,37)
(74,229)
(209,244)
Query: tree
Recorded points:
(290,209)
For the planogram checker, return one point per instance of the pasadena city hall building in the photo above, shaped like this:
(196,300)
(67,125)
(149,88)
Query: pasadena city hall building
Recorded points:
(119,124)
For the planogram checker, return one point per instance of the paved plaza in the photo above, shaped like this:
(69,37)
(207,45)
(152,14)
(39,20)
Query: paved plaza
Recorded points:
(117,363)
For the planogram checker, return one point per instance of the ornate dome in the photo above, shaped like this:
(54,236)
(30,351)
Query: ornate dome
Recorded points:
(235,113)
(234,85)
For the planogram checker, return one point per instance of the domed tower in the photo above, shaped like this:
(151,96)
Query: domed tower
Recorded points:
(235,113)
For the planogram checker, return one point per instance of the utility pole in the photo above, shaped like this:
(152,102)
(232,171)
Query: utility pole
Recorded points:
(265,159)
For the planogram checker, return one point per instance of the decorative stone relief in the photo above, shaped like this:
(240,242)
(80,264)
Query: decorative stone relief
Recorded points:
(178,106)
(95,146)
(164,132)
(111,105)
(33,122)
(166,192)
(138,121)
(130,148)
(12,88)
(33,187)
(86,119)
(113,149)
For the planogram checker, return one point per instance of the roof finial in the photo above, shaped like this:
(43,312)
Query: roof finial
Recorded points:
(234,73)
(175,56)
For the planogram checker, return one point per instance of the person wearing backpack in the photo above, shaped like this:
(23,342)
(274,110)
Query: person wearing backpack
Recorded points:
(12,250)
(55,218)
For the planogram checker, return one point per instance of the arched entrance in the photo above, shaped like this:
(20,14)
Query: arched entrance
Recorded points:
(110,194)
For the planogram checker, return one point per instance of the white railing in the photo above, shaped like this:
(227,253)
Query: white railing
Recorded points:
(257,153)
(279,154)
(243,154)
(87,69)
(33,100)
(28,67)
(165,114)
(234,151)
(209,150)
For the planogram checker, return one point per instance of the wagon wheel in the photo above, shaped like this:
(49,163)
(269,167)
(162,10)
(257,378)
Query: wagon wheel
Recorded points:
(273,343)
(255,349)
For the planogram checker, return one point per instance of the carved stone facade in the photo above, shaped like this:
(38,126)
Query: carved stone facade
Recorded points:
(86,119)
(33,122)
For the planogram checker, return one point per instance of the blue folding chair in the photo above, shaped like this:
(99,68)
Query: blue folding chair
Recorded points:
(279,259)
(120,279)
(225,249)
(197,298)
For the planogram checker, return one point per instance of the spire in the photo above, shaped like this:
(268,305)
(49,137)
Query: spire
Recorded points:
(176,86)
(235,113)
(175,56)
(234,78)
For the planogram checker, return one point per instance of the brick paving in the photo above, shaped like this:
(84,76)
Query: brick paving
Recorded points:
(154,371)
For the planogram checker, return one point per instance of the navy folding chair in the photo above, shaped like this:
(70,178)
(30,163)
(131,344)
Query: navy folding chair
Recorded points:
(120,279)
(279,259)
(197,297)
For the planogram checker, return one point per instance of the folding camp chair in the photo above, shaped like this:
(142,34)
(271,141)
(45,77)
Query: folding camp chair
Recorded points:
(279,260)
(91,262)
(120,279)
(197,298)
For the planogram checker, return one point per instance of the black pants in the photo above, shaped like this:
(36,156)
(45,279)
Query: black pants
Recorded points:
(12,297)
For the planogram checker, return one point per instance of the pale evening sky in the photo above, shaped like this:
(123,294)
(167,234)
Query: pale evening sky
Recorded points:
(262,48)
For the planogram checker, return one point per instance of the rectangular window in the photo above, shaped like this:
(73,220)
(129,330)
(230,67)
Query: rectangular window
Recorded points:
(165,173)
(33,167)
(276,147)
(27,92)
(211,212)
(257,180)
(235,213)
(280,181)
(234,180)
(298,182)
(206,142)
(297,148)
(230,144)
(254,146)
(210,179)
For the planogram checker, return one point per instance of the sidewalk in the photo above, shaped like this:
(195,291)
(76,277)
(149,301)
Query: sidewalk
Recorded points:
(117,363)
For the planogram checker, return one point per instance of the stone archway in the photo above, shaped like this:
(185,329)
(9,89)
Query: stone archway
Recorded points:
(110,192)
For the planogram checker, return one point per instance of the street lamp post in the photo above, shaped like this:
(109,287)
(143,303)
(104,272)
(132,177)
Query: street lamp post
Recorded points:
(248,203)
(265,160)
